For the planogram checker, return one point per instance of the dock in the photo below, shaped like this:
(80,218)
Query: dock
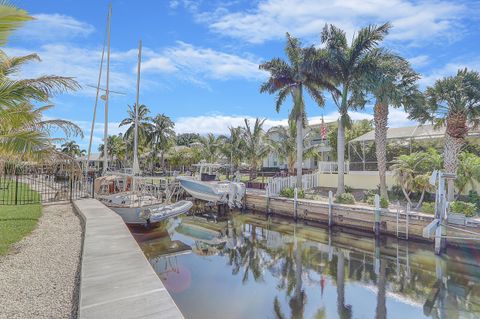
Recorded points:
(116,280)
(399,223)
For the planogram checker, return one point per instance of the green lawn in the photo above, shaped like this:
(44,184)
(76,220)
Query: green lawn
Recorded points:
(17,222)
(25,195)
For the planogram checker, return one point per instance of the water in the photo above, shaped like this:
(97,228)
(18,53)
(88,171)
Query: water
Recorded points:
(251,267)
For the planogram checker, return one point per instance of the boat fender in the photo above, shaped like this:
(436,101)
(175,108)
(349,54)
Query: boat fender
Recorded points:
(145,214)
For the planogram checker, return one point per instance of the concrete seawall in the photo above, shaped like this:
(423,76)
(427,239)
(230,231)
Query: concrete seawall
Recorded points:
(359,217)
(116,279)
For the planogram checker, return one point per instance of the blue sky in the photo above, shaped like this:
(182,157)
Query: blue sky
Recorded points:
(200,61)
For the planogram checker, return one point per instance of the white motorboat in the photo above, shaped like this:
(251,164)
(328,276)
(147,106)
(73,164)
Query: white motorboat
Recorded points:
(206,188)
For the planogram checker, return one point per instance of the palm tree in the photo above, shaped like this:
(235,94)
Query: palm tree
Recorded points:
(117,148)
(11,18)
(211,147)
(349,63)
(256,145)
(144,122)
(233,147)
(161,137)
(393,83)
(291,79)
(284,142)
(468,171)
(72,148)
(453,102)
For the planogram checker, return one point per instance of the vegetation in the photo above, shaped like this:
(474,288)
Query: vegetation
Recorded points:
(291,79)
(468,172)
(467,209)
(345,198)
(257,146)
(72,149)
(17,222)
(290,193)
(349,64)
(453,102)
(428,208)
(161,137)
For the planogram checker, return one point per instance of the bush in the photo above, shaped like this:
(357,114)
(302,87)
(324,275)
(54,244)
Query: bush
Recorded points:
(384,203)
(474,198)
(345,198)
(396,192)
(467,209)
(348,189)
(289,193)
(428,208)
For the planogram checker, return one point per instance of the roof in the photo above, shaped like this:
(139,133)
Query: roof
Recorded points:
(417,132)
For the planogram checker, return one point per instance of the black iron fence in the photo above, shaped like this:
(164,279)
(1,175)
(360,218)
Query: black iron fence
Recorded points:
(30,185)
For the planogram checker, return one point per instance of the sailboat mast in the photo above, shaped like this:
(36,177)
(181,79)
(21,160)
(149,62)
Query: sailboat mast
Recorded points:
(96,99)
(136,167)
(105,131)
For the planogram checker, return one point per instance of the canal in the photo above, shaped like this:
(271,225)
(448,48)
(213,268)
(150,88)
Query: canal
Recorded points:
(250,266)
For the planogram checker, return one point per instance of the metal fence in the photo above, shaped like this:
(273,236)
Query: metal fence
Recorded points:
(24,185)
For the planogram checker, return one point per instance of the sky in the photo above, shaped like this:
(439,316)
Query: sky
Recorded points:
(200,58)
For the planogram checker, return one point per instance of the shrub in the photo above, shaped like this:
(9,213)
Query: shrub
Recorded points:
(290,192)
(348,189)
(474,198)
(428,208)
(384,203)
(396,192)
(467,209)
(345,198)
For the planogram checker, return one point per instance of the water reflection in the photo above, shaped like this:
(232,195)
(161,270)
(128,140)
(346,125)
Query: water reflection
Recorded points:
(252,267)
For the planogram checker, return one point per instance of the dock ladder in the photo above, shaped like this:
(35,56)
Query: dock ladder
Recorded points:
(403,221)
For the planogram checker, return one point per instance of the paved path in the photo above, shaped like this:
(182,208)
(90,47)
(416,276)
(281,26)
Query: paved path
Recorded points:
(117,281)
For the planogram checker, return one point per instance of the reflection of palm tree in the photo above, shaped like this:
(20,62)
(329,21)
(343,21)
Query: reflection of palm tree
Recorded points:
(344,311)
(381,310)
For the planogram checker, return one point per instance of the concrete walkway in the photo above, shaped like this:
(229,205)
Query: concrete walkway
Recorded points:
(116,280)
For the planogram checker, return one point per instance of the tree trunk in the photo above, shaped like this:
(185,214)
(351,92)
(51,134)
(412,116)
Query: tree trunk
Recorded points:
(162,160)
(453,146)
(420,200)
(341,157)
(380,116)
(299,150)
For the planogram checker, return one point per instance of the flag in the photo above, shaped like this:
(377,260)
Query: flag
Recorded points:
(323,130)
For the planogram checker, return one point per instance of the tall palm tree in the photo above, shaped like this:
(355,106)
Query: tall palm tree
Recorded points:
(11,18)
(161,137)
(233,146)
(291,79)
(144,122)
(26,135)
(284,142)
(211,147)
(72,148)
(453,102)
(392,83)
(349,63)
(256,144)
(117,148)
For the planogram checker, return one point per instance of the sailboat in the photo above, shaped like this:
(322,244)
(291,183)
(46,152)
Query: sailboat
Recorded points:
(125,191)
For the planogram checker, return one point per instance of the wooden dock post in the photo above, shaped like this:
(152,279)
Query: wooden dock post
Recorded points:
(295,203)
(376,227)
(330,204)
(267,195)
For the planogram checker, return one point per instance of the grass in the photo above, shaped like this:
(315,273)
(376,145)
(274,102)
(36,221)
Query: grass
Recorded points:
(17,221)
(8,191)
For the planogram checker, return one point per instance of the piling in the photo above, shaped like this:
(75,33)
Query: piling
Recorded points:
(295,203)
(376,227)
(330,204)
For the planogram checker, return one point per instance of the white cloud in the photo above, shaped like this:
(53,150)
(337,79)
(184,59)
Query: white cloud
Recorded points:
(47,27)
(270,19)
(419,60)
(203,63)
(449,69)
(81,63)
